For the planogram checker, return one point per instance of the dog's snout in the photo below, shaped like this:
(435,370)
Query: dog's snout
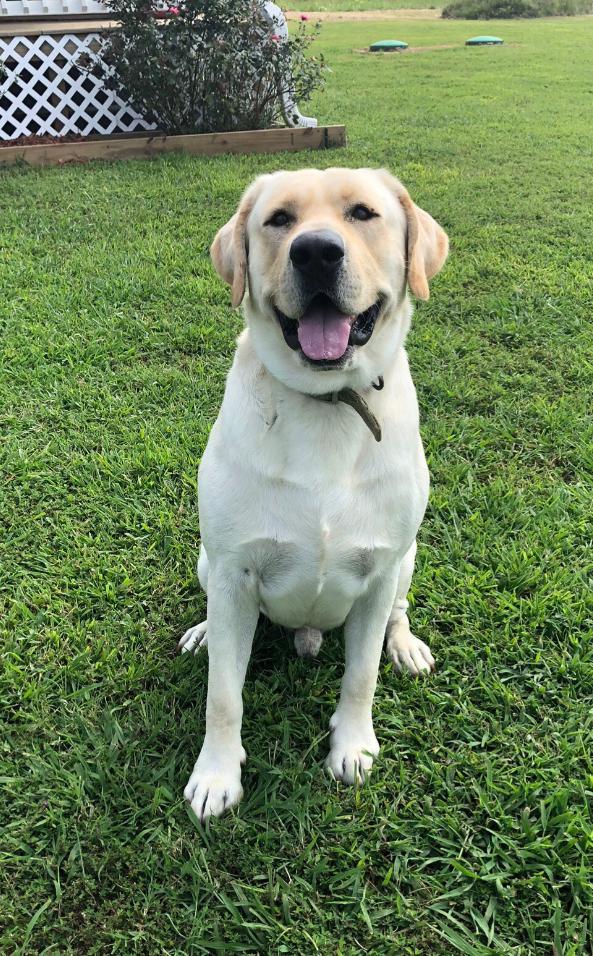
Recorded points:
(317,254)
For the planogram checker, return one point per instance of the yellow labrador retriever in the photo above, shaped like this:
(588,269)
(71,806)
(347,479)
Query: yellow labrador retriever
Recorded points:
(314,483)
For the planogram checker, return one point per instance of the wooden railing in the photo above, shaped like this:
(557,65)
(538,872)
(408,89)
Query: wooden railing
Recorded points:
(64,9)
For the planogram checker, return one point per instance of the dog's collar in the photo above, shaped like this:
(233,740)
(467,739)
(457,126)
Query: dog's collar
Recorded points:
(357,402)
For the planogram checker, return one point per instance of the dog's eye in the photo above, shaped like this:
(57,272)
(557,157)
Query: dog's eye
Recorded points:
(279,218)
(362,212)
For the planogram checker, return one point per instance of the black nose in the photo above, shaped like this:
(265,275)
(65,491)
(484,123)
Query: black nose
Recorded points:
(317,254)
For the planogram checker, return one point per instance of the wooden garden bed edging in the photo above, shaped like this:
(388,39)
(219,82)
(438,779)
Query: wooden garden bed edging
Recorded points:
(201,144)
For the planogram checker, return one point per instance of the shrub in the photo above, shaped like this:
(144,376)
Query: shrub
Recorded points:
(510,9)
(211,65)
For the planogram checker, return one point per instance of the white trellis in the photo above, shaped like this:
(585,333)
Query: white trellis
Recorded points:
(45,90)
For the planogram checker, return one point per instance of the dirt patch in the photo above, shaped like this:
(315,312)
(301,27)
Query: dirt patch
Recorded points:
(366,15)
(438,46)
(46,140)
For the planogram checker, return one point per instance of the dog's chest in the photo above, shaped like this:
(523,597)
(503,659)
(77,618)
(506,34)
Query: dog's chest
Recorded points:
(305,505)
(316,555)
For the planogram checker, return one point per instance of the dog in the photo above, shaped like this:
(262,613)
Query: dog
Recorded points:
(314,482)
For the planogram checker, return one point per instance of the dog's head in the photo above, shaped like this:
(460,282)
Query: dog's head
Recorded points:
(326,257)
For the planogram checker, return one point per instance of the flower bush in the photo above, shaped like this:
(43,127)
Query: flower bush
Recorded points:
(508,9)
(206,65)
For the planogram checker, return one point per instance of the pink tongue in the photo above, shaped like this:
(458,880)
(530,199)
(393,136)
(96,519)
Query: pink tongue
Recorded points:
(324,332)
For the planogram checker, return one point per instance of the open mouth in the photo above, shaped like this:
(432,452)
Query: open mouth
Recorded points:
(323,333)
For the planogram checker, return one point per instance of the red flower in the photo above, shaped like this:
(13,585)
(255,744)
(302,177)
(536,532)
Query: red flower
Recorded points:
(174,11)
(304,16)
(275,37)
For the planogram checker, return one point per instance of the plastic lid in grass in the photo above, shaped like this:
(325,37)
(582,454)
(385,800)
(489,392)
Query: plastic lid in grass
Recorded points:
(483,41)
(388,46)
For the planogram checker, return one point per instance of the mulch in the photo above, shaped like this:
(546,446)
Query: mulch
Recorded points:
(45,140)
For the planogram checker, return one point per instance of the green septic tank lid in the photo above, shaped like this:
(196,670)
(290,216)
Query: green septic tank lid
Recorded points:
(388,45)
(483,41)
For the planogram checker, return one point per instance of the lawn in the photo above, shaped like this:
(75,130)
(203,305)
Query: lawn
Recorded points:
(474,833)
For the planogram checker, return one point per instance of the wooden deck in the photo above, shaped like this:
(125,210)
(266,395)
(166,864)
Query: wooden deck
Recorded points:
(29,27)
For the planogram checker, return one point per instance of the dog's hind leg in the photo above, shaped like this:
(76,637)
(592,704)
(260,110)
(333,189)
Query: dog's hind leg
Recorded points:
(407,652)
(308,641)
(195,639)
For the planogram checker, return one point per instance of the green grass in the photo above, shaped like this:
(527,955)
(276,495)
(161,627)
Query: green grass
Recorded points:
(474,833)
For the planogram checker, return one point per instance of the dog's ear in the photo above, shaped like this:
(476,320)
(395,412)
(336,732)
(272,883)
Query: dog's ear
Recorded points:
(229,249)
(427,246)
(427,243)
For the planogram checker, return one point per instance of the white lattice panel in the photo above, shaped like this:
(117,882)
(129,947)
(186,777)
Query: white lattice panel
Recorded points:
(45,91)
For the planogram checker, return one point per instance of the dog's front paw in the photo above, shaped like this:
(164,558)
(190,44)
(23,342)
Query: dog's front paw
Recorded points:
(215,785)
(194,640)
(407,652)
(353,746)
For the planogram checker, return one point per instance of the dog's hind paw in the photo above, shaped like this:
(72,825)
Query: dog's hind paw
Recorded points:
(194,639)
(407,652)
(308,641)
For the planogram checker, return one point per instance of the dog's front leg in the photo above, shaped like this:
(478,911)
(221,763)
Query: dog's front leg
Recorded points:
(353,741)
(233,609)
